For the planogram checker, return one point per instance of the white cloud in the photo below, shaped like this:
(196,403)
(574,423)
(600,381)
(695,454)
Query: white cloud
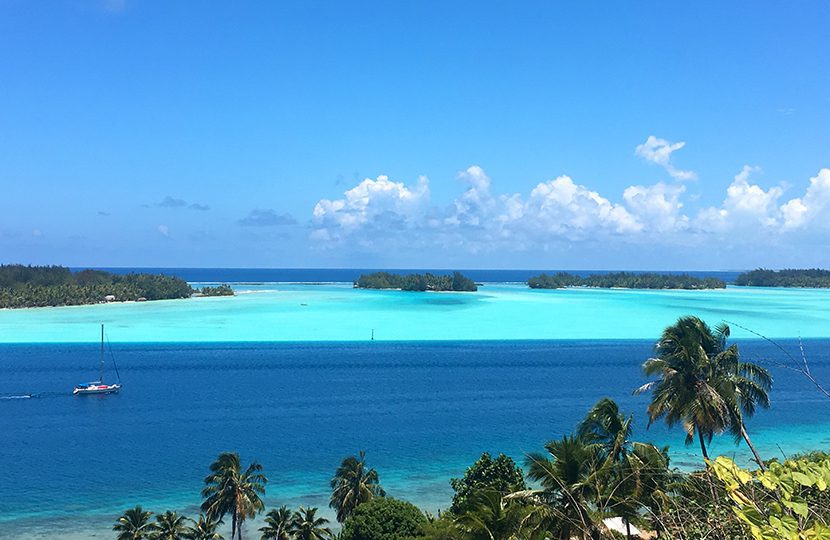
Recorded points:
(369,203)
(659,151)
(747,206)
(658,206)
(561,206)
(799,212)
(163,230)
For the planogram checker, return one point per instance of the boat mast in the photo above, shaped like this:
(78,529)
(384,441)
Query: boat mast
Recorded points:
(102,355)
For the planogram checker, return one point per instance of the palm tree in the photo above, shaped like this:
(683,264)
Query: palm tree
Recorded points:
(568,474)
(352,485)
(703,384)
(277,524)
(170,526)
(229,490)
(607,426)
(134,524)
(488,517)
(307,526)
(204,529)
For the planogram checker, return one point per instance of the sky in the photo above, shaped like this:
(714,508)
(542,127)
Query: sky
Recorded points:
(550,135)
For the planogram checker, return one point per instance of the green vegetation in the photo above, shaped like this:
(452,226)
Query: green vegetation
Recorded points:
(812,277)
(416,282)
(501,475)
(41,286)
(353,484)
(384,519)
(577,481)
(625,280)
(219,290)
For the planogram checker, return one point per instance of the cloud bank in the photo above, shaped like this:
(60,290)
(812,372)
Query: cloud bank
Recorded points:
(382,213)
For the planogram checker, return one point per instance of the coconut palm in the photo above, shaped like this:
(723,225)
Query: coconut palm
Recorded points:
(703,384)
(134,524)
(489,517)
(230,490)
(567,473)
(352,485)
(607,426)
(170,526)
(307,526)
(204,529)
(277,524)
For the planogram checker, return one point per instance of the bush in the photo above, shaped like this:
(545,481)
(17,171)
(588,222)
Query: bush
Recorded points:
(384,518)
(500,474)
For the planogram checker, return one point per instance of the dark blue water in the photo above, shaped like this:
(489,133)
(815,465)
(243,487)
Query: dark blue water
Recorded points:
(310,275)
(422,411)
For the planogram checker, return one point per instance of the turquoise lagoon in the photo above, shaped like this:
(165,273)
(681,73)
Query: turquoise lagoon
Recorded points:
(337,312)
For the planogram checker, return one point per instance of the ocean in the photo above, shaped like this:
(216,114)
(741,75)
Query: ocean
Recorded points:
(203,376)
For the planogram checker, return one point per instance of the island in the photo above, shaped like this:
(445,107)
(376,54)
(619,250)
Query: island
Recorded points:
(624,280)
(790,277)
(416,282)
(219,290)
(47,286)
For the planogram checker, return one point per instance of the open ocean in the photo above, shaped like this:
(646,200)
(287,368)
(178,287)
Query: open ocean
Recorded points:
(297,387)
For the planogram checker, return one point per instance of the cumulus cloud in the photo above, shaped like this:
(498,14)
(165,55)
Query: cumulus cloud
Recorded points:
(659,151)
(163,230)
(385,215)
(379,202)
(266,217)
(812,207)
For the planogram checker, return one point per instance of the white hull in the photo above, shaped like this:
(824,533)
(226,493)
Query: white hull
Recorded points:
(98,389)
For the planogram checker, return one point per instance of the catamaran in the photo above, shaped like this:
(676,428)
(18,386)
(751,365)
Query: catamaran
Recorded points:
(99,386)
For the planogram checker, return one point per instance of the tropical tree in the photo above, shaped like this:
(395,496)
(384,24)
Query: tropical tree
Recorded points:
(352,485)
(500,474)
(567,473)
(488,517)
(204,529)
(702,383)
(134,524)
(170,526)
(230,490)
(384,518)
(278,523)
(307,526)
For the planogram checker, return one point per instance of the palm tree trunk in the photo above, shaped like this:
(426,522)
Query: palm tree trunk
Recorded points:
(233,526)
(627,529)
(706,459)
(751,446)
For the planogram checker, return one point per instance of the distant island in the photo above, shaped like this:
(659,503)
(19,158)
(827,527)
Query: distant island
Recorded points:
(416,282)
(810,278)
(46,286)
(624,280)
(219,290)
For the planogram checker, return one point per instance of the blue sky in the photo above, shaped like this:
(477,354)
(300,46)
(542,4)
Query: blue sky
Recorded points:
(415,134)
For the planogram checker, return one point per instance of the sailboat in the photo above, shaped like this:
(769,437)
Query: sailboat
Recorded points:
(99,386)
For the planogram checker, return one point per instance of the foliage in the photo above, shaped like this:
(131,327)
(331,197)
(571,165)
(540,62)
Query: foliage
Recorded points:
(170,526)
(278,523)
(230,490)
(488,517)
(761,277)
(384,519)
(416,282)
(134,524)
(204,529)
(703,384)
(501,475)
(776,503)
(352,485)
(624,280)
(220,290)
(40,286)
(305,525)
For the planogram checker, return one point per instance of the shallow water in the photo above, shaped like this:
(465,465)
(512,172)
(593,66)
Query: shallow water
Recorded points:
(337,312)
(423,411)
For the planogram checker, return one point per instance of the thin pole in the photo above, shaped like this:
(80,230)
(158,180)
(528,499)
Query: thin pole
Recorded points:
(102,354)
